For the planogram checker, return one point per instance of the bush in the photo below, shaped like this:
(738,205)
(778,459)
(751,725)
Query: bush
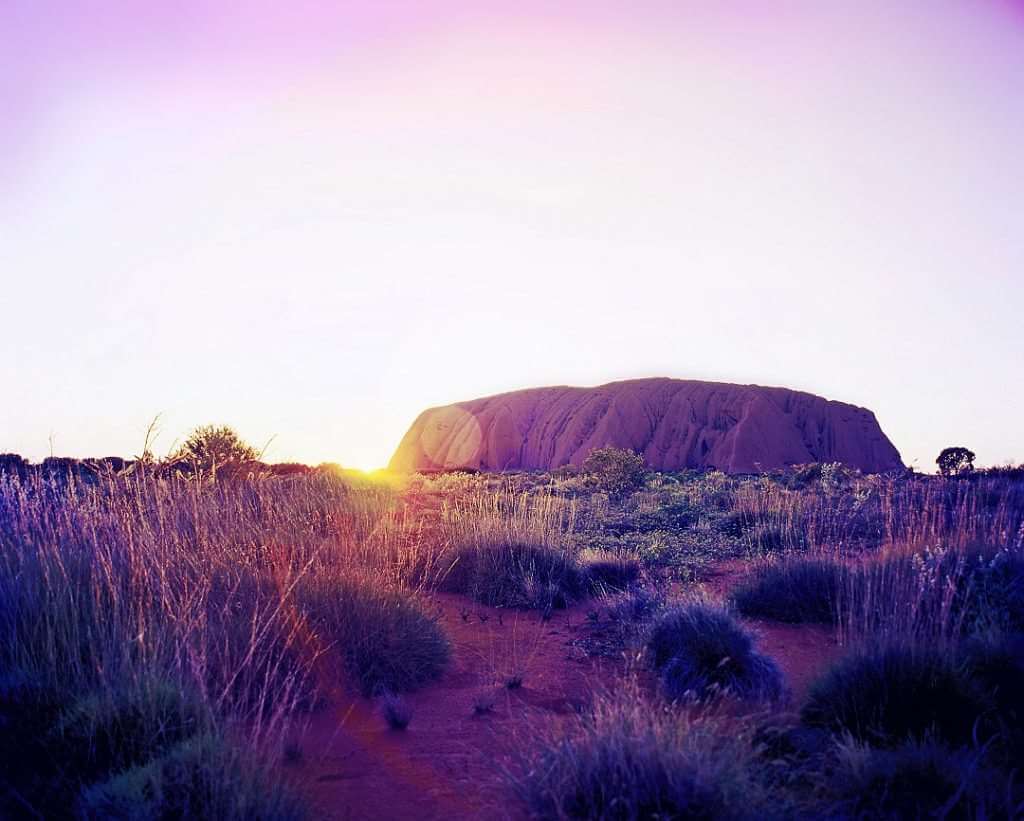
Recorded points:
(607,570)
(108,731)
(913,780)
(996,663)
(735,523)
(627,759)
(30,773)
(386,641)
(210,447)
(615,470)
(199,778)
(794,590)
(889,695)
(700,650)
(520,576)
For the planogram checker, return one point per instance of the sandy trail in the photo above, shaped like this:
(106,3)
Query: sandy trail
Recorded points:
(449,762)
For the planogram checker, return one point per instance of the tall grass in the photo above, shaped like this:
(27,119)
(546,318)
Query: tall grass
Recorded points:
(231,593)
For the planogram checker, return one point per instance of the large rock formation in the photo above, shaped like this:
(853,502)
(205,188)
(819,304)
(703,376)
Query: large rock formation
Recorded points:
(674,423)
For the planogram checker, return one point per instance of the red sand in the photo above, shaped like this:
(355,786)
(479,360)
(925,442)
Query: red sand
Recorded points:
(449,762)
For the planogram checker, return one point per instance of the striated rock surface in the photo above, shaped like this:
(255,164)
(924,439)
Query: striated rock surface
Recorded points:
(673,423)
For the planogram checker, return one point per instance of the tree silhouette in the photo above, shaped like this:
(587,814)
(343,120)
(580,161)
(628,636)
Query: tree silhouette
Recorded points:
(955,460)
(210,447)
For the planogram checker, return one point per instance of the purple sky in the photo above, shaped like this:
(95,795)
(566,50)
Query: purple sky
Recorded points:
(312,220)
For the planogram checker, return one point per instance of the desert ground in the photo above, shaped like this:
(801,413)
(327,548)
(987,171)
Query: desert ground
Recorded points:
(605,641)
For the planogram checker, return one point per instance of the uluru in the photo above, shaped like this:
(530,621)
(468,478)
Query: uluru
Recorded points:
(674,424)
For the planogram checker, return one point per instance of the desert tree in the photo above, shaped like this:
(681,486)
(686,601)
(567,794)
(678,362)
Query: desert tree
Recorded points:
(615,470)
(210,447)
(955,460)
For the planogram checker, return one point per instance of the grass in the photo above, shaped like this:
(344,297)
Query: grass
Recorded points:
(396,710)
(888,695)
(202,777)
(140,613)
(701,651)
(153,627)
(795,590)
(628,759)
(386,641)
(914,780)
(522,576)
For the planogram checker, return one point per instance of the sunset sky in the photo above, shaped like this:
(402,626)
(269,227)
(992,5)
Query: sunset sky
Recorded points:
(312,220)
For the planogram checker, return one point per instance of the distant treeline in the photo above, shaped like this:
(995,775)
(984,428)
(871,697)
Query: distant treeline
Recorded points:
(59,467)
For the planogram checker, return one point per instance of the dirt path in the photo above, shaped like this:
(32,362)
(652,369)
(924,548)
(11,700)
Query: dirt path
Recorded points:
(448,763)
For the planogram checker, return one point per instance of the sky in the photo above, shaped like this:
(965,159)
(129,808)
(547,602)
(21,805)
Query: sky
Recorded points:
(311,221)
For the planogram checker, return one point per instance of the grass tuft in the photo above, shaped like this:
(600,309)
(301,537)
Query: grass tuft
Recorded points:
(628,759)
(522,576)
(794,590)
(397,711)
(888,695)
(701,651)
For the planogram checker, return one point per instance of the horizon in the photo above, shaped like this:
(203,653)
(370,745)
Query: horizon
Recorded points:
(314,223)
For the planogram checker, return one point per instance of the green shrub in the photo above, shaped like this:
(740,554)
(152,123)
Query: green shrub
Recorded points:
(519,576)
(198,778)
(386,640)
(700,650)
(627,759)
(889,695)
(615,470)
(794,590)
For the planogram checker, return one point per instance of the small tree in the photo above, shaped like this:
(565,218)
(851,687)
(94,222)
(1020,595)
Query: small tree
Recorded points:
(210,447)
(955,460)
(615,470)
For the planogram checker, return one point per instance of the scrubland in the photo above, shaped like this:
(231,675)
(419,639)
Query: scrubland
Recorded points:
(167,640)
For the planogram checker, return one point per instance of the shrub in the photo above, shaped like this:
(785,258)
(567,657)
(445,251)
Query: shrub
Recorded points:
(615,470)
(198,778)
(627,759)
(674,516)
(30,772)
(996,663)
(772,538)
(700,650)
(992,595)
(936,594)
(386,641)
(914,780)
(516,575)
(110,730)
(734,523)
(607,570)
(889,695)
(794,590)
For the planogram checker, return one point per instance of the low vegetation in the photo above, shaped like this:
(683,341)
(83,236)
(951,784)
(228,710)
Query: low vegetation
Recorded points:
(630,759)
(167,625)
(701,651)
(795,590)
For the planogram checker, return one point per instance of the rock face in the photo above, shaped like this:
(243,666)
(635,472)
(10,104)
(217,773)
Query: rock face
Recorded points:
(673,423)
